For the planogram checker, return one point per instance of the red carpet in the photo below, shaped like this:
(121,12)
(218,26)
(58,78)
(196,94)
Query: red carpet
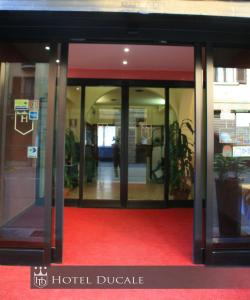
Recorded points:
(119,237)
(128,237)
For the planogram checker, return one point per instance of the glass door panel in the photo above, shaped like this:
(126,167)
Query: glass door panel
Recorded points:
(181,143)
(24,209)
(72,143)
(230,175)
(146,143)
(102,143)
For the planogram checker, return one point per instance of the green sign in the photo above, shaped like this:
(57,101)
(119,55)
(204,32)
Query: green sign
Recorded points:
(21,104)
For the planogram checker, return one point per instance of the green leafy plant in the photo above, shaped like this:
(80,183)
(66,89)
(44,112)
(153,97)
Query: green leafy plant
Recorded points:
(71,160)
(228,167)
(181,156)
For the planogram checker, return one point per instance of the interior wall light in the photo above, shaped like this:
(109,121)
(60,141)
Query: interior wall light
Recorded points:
(126,49)
(47,48)
(124,62)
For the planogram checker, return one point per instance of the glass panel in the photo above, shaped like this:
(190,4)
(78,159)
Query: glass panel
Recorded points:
(72,142)
(231,129)
(24,109)
(102,143)
(146,143)
(181,143)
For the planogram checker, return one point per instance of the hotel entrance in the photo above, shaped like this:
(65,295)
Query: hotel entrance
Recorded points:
(124,119)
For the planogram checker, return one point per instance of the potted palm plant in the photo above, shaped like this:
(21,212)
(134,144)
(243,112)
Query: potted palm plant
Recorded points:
(181,159)
(228,193)
(71,162)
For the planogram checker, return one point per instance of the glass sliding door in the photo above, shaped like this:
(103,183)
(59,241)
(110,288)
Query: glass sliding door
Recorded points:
(72,142)
(102,143)
(181,143)
(228,212)
(94,126)
(146,144)
(28,78)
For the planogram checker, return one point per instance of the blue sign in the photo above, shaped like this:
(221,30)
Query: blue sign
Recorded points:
(33,115)
(32,152)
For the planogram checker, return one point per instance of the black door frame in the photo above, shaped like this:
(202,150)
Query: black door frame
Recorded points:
(125,85)
(59,153)
(200,160)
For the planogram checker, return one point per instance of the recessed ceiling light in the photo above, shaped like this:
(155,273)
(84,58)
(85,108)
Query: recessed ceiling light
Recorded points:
(124,62)
(126,49)
(57,61)
(47,48)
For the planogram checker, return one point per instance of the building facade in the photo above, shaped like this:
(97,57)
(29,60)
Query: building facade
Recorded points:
(194,68)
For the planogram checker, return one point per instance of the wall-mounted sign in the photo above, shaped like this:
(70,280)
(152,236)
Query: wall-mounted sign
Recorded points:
(26,111)
(241,151)
(34,105)
(32,152)
(227,151)
(21,104)
(22,124)
(227,136)
(33,115)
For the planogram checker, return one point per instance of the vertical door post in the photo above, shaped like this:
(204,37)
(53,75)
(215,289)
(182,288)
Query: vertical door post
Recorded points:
(124,146)
(199,158)
(60,149)
(3,110)
(82,144)
(166,148)
(210,146)
(49,151)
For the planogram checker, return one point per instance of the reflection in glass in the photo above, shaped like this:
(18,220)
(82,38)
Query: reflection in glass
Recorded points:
(102,143)
(231,122)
